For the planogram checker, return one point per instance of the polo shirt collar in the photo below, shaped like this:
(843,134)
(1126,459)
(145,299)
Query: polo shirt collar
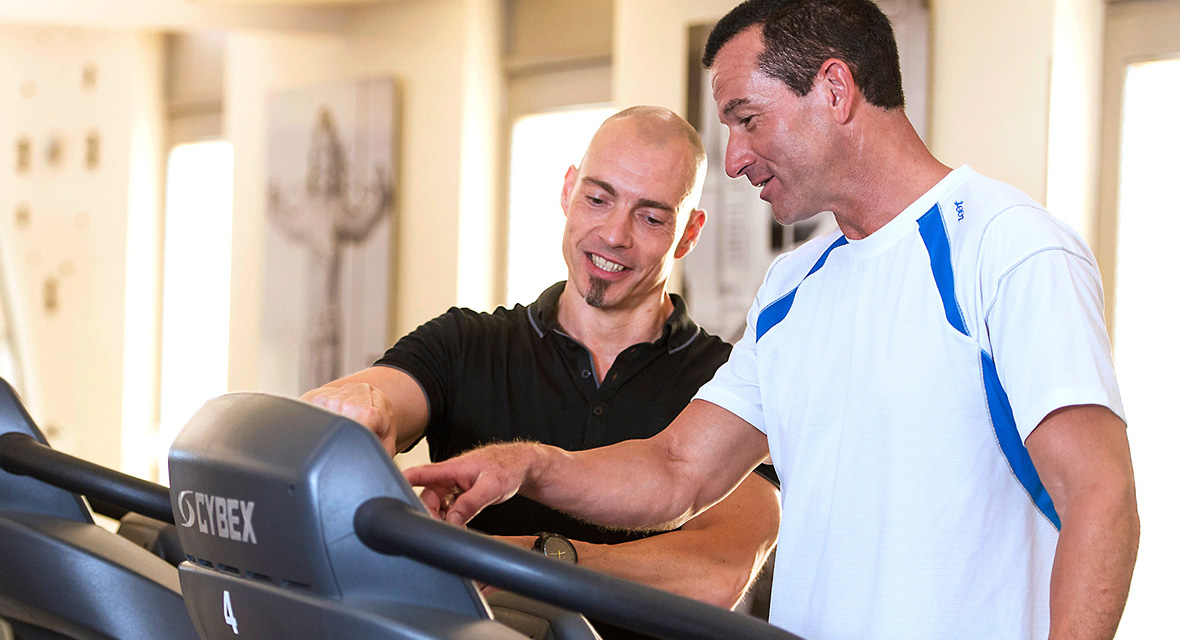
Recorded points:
(679,329)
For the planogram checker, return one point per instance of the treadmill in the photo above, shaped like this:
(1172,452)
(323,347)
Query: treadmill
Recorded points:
(296,524)
(62,575)
(293,523)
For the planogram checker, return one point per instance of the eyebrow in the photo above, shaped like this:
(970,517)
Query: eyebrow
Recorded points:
(643,203)
(734,104)
(605,186)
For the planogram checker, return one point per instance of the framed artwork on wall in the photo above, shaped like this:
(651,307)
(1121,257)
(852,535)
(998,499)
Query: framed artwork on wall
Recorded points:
(327,263)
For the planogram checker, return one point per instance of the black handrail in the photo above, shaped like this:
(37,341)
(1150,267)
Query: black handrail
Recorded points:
(392,527)
(22,455)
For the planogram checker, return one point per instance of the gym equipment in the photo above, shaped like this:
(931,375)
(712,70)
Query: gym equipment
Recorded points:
(62,575)
(296,524)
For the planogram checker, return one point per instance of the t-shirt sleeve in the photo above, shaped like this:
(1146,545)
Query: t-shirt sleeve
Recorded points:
(428,354)
(735,386)
(1043,314)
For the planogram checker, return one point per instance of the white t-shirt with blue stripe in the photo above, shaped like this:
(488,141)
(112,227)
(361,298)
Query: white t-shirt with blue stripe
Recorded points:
(896,378)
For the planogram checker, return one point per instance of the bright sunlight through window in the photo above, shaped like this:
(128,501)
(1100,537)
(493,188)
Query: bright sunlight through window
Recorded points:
(543,147)
(1146,350)
(194,352)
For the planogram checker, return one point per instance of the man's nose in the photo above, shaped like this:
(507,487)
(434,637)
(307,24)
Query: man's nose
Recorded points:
(738,156)
(615,230)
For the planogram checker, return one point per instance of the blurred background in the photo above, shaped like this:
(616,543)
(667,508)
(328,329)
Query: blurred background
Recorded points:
(152,160)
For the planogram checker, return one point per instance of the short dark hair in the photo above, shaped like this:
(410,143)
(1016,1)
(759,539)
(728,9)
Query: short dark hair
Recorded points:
(798,35)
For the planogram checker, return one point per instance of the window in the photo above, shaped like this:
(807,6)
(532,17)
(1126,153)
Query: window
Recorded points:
(1145,349)
(543,146)
(194,350)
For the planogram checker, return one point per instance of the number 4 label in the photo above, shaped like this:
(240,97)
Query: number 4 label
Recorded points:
(227,608)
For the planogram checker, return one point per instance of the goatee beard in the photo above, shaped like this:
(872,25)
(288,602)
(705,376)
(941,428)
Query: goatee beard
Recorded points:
(597,294)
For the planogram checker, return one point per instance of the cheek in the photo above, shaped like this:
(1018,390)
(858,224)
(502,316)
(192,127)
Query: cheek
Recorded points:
(659,253)
(569,240)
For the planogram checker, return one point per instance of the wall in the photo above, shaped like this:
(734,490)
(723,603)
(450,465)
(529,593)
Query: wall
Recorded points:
(1018,99)
(481,174)
(83,233)
(1075,104)
(170,14)
(990,88)
(651,48)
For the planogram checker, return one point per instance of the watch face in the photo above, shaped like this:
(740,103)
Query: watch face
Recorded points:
(560,548)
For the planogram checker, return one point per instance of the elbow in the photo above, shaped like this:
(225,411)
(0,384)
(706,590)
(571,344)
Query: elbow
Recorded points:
(1112,497)
(726,586)
(724,582)
(1130,516)
(1109,507)
(723,588)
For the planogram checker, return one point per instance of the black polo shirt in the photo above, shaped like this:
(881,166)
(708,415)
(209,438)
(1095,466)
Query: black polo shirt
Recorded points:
(513,374)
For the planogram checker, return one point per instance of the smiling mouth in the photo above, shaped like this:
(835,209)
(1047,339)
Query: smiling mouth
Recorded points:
(763,183)
(606,265)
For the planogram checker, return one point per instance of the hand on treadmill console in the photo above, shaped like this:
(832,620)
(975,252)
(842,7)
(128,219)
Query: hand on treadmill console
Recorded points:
(456,490)
(361,402)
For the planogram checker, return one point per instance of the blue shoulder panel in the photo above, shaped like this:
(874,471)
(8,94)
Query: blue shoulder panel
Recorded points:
(776,311)
(1011,445)
(933,231)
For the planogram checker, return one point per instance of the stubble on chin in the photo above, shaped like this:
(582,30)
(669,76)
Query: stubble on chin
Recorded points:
(597,294)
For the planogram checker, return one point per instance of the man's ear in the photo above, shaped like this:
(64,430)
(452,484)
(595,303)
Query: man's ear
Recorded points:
(837,88)
(571,180)
(692,233)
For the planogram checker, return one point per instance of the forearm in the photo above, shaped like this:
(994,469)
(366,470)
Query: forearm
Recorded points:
(716,580)
(714,558)
(691,465)
(387,401)
(623,478)
(1092,568)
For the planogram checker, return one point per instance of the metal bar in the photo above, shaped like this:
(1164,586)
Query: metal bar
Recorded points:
(22,455)
(392,527)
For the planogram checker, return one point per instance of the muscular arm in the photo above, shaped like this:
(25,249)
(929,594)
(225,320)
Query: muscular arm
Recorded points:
(388,401)
(1083,458)
(694,463)
(713,558)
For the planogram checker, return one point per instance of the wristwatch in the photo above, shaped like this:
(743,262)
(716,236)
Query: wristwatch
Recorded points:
(556,546)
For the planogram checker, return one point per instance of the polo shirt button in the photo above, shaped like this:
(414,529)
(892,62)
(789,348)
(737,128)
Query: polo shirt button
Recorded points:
(570,346)
(585,373)
(598,411)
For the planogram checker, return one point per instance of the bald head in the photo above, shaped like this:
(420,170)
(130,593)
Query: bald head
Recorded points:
(661,128)
(657,125)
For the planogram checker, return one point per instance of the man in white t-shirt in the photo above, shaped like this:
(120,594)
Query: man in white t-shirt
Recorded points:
(932,381)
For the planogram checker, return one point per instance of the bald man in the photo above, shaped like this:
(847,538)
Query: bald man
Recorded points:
(606,356)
